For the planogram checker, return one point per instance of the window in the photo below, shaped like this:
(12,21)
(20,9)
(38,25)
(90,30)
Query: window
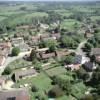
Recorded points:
(11,98)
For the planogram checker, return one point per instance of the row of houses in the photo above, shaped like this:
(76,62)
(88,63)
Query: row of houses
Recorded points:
(45,54)
(4,51)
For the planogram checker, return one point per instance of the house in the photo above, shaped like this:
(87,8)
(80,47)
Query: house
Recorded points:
(23,47)
(57,36)
(17,41)
(24,73)
(88,66)
(62,53)
(76,63)
(96,53)
(47,55)
(14,94)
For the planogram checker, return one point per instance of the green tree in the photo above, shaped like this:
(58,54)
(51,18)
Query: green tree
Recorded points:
(15,51)
(33,55)
(69,59)
(52,44)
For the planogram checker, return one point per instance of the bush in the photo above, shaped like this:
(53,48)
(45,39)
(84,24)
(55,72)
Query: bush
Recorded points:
(34,88)
(15,51)
(7,71)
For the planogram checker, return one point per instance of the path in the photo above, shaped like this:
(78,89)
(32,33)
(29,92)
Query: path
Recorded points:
(11,59)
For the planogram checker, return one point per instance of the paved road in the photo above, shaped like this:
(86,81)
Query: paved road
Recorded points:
(11,59)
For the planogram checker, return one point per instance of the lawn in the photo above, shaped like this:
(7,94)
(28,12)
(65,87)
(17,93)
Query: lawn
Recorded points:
(41,81)
(56,71)
(78,90)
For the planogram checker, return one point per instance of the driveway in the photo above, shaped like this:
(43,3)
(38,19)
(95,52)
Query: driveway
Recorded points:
(79,51)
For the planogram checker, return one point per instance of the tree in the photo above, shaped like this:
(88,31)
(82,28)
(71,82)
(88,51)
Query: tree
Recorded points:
(69,42)
(33,55)
(64,84)
(88,46)
(7,71)
(55,92)
(15,51)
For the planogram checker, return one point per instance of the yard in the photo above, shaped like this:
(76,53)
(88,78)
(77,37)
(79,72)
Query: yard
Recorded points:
(41,81)
(19,63)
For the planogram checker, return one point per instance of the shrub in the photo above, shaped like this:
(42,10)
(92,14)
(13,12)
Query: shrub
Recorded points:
(15,51)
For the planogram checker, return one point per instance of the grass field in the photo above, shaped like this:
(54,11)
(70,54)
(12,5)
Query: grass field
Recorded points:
(70,24)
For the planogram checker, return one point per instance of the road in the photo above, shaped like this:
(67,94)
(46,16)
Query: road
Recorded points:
(79,51)
(11,59)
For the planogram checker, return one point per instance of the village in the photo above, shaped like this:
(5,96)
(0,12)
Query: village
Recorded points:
(40,62)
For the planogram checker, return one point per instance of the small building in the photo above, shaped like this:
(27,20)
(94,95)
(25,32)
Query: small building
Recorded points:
(88,66)
(96,53)
(24,73)
(14,94)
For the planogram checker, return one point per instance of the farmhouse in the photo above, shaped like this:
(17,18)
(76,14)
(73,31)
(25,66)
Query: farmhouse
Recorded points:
(24,73)
(15,94)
